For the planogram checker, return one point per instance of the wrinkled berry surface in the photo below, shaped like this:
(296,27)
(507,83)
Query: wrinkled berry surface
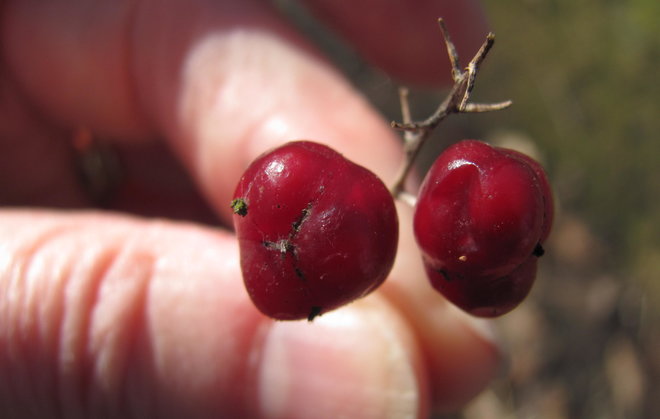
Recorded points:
(482,215)
(315,230)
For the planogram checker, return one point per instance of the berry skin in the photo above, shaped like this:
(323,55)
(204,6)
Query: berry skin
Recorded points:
(546,190)
(315,230)
(481,217)
(485,297)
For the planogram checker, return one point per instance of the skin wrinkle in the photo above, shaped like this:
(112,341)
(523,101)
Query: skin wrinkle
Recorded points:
(24,283)
(50,313)
(79,332)
(122,300)
(24,276)
(16,364)
(143,318)
(202,368)
(141,373)
(82,297)
(124,365)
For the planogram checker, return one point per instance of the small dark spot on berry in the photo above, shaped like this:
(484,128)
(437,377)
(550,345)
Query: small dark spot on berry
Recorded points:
(538,250)
(444,274)
(314,312)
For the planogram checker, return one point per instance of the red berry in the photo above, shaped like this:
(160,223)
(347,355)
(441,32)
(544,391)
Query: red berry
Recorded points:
(315,230)
(481,217)
(485,297)
(546,189)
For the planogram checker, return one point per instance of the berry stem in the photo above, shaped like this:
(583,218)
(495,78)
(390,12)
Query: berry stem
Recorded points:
(415,133)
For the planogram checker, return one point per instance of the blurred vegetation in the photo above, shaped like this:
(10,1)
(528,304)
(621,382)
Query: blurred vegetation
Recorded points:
(583,76)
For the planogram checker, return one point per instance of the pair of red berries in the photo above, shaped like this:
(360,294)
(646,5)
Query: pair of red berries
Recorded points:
(317,231)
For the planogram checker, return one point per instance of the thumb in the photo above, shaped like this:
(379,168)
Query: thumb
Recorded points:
(110,316)
(97,313)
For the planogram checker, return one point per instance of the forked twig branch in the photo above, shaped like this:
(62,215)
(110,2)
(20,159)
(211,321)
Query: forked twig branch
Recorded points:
(415,133)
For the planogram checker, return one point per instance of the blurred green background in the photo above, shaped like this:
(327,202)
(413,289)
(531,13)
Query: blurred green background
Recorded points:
(583,76)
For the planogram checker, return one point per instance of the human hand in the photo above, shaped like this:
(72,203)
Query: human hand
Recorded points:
(107,314)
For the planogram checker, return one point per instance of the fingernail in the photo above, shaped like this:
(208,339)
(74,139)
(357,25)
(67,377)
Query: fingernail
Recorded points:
(340,365)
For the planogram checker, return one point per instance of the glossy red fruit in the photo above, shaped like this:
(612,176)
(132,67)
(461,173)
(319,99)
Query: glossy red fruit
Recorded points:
(481,218)
(315,230)
(485,296)
(546,190)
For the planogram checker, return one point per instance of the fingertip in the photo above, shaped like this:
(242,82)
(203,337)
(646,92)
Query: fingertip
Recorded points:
(358,361)
(244,93)
(115,314)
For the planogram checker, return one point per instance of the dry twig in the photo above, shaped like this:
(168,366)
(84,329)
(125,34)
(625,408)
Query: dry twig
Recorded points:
(457,101)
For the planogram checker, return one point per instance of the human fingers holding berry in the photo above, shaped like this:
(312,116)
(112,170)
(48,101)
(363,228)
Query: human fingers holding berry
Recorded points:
(122,315)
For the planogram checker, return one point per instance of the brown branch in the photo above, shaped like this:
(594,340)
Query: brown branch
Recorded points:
(415,133)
